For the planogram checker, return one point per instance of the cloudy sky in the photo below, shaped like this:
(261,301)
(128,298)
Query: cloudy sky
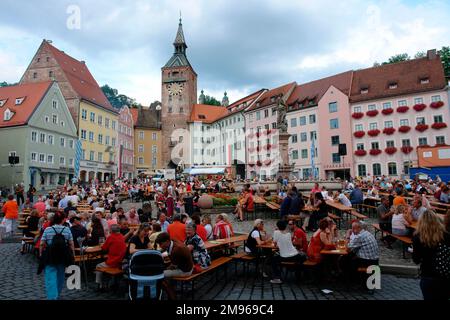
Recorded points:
(233,45)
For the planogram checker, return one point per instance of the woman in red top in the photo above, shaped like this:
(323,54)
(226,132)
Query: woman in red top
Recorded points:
(320,240)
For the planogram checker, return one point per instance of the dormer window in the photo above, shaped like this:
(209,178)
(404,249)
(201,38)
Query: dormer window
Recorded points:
(201,116)
(364,90)
(3,102)
(311,101)
(272,99)
(393,85)
(19,101)
(258,104)
(424,80)
(8,115)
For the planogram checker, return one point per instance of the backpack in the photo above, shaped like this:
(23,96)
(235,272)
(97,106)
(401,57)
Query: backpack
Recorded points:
(59,251)
(441,261)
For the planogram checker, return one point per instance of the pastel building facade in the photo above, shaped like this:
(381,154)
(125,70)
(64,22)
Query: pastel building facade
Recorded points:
(36,126)
(125,149)
(396,109)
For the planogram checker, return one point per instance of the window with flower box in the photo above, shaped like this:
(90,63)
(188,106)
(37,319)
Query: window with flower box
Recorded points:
(359,127)
(420,120)
(390,144)
(418,100)
(387,105)
(438,119)
(402,103)
(373,126)
(375,146)
(360,146)
(388,124)
(404,122)
(435,98)
(357,109)
(371,107)
(406,143)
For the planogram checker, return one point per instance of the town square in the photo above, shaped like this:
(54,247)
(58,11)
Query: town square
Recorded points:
(209,151)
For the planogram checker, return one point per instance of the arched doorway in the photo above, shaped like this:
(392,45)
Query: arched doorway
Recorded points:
(83,175)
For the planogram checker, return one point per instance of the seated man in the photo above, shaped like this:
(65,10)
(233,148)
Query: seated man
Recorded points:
(221,229)
(181,263)
(356,196)
(132,216)
(177,230)
(124,229)
(364,246)
(417,208)
(116,248)
(78,231)
(340,197)
(299,238)
(162,220)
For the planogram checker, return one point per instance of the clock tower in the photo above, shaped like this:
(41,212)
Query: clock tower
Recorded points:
(178,95)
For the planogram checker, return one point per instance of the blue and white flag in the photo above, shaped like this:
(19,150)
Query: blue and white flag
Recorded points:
(77,157)
(313,155)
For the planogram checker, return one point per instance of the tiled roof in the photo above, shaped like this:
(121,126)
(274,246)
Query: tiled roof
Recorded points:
(405,75)
(207,113)
(80,78)
(33,93)
(266,98)
(147,118)
(314,90)
(134,114)
(242,104)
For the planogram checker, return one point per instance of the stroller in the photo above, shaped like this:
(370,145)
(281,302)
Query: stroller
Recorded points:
(145,273)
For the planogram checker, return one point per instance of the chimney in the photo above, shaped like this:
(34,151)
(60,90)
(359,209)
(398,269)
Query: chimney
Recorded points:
(431,54)
(83,62)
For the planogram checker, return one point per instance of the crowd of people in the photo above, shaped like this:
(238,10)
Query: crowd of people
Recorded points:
(171,222)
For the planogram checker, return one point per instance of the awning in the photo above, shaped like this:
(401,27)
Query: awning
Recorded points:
(187,171)
(197,171)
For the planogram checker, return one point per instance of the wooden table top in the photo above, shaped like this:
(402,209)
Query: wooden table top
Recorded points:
(414,223)
(338,252)
(224,242)
(338,206)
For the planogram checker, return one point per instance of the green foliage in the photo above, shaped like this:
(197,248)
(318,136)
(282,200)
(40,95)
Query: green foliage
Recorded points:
(445,57)
(217,202)
(118,100)
(397,58)
(420,54)
(6,84)
(212,101)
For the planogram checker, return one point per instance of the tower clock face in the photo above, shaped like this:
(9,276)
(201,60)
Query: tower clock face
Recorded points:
(175,88)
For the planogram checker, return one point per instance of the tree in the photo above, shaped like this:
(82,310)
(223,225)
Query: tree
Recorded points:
(212,101)
(420,54)
(118,100)
(6,84)
(397,58)
(445,58)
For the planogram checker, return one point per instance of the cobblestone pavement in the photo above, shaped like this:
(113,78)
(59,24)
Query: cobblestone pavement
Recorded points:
(19,281)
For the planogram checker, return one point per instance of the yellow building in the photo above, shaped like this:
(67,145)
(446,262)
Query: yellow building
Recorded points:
(98,131)
(147,138)
(96,119)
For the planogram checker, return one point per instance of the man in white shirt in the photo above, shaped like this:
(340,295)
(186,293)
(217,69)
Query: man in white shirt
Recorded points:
(282,239)
(342,198)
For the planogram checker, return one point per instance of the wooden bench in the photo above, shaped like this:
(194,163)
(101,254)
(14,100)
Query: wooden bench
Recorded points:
(288,265)
(369,208)
(113,272)
(358,215)
(405,240)
(215,264)
(244,257)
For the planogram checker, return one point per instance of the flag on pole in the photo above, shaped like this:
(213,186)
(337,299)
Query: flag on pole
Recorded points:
(119,166)
(313,154)
(78,152)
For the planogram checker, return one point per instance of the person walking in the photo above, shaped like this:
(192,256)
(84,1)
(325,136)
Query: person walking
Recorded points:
(56,252)
(11,212)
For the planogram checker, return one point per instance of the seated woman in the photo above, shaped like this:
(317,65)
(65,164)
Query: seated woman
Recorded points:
(255,237)
(401,220)
(320,213)
(206,222)
(140,240)
(246,204)
(287,252)
(196,246)
(95,232)
(320,240)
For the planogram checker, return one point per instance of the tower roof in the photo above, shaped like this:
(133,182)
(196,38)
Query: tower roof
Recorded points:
(179,58)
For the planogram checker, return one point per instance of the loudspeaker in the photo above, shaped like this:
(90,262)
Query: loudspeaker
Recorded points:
(342,149)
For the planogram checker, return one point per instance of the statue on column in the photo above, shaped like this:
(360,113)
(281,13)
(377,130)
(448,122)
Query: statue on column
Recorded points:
(281,118)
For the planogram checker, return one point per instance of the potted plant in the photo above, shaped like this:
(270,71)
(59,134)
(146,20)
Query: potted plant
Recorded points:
(374,152)
(439,125)
(357,115)
(404,129)
(419,106)
(360,153)
(387,111)
(390,150)
(359,134)
(268,146)
(251,165)
(407,149)
(372,113)
(259,163)
(436,104)
(402,109)
(267,162)
(388,131)
(421,127)
(373,133)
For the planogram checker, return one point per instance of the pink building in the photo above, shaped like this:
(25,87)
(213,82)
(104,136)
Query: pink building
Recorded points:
(125,148)
(394,109)
(319,120)
(259,118)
